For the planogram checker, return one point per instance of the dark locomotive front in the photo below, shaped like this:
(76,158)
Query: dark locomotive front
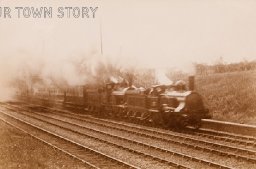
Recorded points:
(183,108)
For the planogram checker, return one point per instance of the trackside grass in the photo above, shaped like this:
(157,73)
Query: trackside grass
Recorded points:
(230,96)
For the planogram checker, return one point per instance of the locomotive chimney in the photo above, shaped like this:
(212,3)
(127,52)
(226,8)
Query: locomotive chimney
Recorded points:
(191,83)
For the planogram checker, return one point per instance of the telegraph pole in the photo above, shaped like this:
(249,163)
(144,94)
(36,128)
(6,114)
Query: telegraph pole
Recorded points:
(101,44)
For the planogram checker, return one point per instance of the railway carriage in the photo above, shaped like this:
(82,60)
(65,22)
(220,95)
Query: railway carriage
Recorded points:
(93,99)
(74,95)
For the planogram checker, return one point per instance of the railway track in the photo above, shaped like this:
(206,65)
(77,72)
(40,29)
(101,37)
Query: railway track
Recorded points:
(158,139)
(130,144)
(216,135)
(149,161)
(213,134)
(245,154)
(184,140)
(227,137)
(90,157)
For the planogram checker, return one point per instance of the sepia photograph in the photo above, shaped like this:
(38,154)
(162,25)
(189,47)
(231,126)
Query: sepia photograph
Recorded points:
(149,84)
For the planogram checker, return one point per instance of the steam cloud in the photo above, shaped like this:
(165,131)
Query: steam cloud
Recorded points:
(65,71)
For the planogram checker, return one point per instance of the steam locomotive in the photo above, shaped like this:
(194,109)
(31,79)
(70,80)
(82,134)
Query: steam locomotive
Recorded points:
(161,105)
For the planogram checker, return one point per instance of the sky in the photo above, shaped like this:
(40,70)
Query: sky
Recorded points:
(180,30)
(147,33)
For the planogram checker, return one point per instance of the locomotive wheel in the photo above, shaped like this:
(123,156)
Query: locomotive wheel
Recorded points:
(114,113)
(104,112)
(138,115)
(126,113)
(89,108)
(118,113)
(145,116)
(166,123)
(93,110)
(197,124)
(182,122)
(150,119)
(122,113)
(110,113)
(131,115)
(97,111)
(157,119)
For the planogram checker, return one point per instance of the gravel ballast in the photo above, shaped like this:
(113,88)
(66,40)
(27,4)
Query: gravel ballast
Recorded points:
(19,150)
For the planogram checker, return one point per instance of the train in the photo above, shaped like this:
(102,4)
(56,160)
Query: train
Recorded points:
(168,106)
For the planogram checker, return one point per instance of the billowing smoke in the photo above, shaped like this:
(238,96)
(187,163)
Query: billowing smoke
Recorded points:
(26,70)
(81,69)
(162,78)
(10,70)
(66,52)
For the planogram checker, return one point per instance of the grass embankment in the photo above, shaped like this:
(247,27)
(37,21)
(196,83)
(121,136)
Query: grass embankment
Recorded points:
(230,96)
(19,150)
